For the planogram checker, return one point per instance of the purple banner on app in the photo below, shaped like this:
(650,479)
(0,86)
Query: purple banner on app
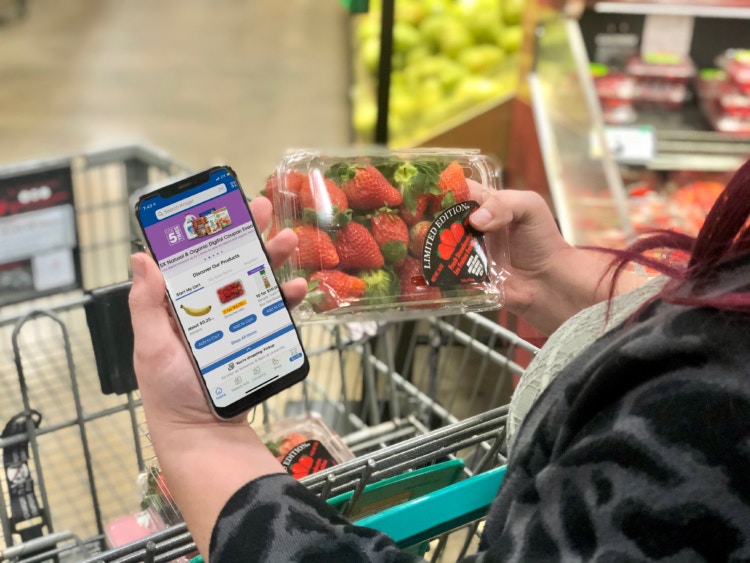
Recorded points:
(197,225)
(258,269)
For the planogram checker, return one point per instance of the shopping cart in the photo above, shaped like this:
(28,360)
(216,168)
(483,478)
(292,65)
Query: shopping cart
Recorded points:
(406,398)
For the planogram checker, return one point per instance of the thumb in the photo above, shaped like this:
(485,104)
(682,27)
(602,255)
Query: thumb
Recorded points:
(148,310)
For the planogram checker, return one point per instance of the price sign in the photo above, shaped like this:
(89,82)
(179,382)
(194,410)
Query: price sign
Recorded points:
(634,144)
(39,254)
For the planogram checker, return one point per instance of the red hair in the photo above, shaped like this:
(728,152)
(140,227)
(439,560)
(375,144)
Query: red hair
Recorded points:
(724,237)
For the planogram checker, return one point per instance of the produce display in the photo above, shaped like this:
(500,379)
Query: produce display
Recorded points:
(385,236)
(449,56)
(724,93)
(681,204)
(651,80)
(305,444)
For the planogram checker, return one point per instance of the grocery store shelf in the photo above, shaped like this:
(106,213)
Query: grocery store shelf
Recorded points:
(725,9)
(684,142)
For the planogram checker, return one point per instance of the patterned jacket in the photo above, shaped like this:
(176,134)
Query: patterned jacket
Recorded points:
(638,451)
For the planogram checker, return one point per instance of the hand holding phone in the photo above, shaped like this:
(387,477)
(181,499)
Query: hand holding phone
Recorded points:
(232,316)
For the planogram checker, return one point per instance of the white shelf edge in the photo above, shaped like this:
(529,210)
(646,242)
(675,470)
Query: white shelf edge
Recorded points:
(726,12)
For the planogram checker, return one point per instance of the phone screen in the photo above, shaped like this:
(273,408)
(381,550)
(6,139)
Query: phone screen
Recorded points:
(225,295)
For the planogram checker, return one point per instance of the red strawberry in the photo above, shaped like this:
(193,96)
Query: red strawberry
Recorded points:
(413,285)
(452,181)
(417,234)
(322,195)
(331,289)
(412,217)
(416,180)
(357,249)
(391,234)
(315,250)
(365,187)
(287,183)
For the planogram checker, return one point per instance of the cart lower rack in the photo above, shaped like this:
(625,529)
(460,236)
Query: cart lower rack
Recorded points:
(404,397)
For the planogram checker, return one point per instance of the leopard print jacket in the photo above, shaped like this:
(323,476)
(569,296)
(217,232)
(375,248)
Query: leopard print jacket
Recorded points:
(638,451)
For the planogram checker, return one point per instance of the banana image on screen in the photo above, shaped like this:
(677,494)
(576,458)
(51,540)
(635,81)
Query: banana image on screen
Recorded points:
(195,311)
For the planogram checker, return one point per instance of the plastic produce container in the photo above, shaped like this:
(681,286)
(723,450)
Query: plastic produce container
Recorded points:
(305,444)
(616,92)
(661,79)
(384,235)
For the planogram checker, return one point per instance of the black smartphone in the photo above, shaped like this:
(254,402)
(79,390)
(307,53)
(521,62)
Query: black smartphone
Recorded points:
(235,320)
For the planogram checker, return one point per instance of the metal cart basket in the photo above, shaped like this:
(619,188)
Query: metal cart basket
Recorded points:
(402,396)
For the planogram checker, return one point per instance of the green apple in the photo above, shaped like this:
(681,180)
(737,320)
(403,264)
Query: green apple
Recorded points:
(410,11)
(477,89)
(481,58)
(453,38)
(513,11)
(405,37)
(511,38)
(369,53)
(364,117)
(368,27)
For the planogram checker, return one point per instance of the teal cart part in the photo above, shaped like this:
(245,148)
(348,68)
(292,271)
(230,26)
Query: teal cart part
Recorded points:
(396,490)
(429,516)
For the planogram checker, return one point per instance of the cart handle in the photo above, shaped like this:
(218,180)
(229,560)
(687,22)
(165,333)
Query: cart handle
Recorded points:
(444,510)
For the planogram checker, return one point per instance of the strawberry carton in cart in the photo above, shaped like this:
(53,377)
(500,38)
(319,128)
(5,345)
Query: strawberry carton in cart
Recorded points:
(384,235)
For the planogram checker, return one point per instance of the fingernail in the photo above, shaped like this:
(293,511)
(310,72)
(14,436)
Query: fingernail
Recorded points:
(480,218)
(136,265)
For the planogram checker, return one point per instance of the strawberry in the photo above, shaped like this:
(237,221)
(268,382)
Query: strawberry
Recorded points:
(365,186)
(413,216)
(286,186)
(323,198)
(381,286)
(417,234)
(330,289)
(357,249)
(315,249)
(453,186)
(416,181)
(391,234)
(413,285)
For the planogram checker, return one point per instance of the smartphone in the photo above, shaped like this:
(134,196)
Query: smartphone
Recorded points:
(224,295)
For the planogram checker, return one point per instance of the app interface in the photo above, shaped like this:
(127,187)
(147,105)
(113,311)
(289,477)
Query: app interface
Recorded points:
(221,284)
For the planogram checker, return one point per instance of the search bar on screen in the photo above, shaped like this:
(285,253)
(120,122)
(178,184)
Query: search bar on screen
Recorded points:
(192,201)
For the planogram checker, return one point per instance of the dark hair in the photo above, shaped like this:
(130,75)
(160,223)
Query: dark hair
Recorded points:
(724,237)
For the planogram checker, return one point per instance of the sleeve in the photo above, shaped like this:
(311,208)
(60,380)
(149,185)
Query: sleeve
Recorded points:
(663,474)
(275,518)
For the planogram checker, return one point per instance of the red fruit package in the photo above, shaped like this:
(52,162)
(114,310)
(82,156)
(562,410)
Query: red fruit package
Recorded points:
(371,222)
(305,444)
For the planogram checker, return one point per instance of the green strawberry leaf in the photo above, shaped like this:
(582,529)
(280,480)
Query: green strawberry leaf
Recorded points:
(381,286)
(388,168)
(405,174)
(449,200)
(341,172)
(394,251)
(342,218)
(410,200)
(315,298)
(310,217)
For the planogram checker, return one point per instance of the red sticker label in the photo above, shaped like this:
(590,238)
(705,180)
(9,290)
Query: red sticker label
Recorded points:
(454,251)
(307,458)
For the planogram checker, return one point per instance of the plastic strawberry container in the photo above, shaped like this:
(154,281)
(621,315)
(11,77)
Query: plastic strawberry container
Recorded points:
(384,235)
(305,444)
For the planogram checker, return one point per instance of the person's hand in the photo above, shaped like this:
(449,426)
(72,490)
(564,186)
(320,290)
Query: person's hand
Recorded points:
(550,280)
(169,386)
(534,241)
